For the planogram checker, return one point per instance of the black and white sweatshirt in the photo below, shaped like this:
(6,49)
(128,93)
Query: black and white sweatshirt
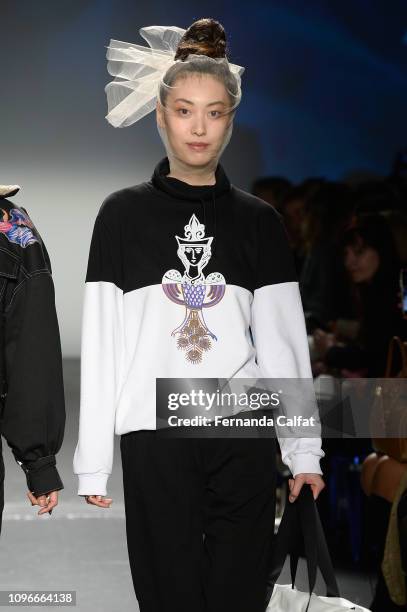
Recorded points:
(141,307)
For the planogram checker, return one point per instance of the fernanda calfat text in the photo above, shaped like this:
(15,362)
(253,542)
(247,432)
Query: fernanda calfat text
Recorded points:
(239,421)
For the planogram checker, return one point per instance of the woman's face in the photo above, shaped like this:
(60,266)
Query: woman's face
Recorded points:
(196,112)
(361,262)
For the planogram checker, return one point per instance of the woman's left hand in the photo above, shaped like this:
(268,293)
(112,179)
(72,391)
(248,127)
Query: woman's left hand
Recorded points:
(295,484)
(47,502)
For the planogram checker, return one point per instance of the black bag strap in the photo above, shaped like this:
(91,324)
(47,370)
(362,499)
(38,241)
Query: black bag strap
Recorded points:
(316,547)
(301,534)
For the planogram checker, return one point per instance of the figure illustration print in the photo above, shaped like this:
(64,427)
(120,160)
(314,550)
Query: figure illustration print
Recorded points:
(193,291)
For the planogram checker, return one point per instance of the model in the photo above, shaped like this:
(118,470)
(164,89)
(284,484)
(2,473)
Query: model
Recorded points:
(188,277)
(32,402)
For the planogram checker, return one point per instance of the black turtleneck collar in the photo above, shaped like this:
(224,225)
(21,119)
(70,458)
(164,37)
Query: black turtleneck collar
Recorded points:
(185,191)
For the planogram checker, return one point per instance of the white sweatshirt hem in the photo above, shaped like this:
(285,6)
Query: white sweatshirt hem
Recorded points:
(92,484)
(305,463)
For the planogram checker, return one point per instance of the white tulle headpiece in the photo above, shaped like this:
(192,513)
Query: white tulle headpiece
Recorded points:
(139,73)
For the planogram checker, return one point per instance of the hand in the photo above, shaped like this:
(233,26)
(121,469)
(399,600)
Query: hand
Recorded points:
(47,502)
(97,500)
(314,480)
(323,341)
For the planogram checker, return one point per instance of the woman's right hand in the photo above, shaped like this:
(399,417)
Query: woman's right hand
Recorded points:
(98,500)
(323,341)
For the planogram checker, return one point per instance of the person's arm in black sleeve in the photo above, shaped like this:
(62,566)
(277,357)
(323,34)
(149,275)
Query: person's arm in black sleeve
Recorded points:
(33,419)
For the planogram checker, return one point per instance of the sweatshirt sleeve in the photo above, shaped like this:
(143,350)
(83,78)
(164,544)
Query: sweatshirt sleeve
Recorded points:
(33,409)
(279,331)
(101,361)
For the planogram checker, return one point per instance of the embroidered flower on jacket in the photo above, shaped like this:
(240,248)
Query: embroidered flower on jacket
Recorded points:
(17,227)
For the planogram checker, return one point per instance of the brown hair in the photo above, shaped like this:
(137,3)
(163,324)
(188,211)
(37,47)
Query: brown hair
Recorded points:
(204,37)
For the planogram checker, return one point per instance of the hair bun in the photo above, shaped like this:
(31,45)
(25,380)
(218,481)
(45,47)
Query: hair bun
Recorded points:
(204,37)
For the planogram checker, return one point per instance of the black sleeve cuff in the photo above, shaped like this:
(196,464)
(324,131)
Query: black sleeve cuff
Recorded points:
(42,475)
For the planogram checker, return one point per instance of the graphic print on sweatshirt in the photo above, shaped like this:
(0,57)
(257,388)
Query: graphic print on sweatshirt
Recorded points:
(17,227)
(193,291)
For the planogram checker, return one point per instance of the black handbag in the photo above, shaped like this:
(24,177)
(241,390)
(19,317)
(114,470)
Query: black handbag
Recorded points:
(301,534)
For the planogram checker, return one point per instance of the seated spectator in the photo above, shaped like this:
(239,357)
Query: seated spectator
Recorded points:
(293,211)
(358,347)
(327,215)
(378,195)
(271,189)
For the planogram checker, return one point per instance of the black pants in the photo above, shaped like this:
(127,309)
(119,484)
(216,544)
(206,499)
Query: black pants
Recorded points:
(176,490)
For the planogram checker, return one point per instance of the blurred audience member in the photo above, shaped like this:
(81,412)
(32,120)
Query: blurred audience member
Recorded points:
(358,347)
(271,189)
(322,280)
(398,177)
(293,211)
(377,196)
(397,222)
